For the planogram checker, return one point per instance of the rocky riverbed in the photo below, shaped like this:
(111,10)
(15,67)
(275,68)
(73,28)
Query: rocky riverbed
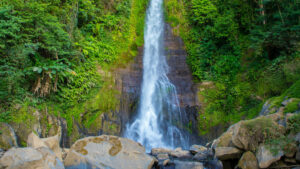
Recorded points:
(267,141)
(104,152)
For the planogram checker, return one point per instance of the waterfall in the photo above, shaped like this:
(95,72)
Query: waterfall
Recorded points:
(159,119)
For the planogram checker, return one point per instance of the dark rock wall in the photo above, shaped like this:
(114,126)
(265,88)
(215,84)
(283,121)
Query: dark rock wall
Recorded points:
(181,76)
(128,82)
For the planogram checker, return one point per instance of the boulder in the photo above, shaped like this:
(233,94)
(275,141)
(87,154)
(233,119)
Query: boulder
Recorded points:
(247,135)
(226,153)
(162,156)
(248,161)
(65,151)
(188,165)
(225,140)
(204,155)
(179,153)
(194,149)
(156,151)
(201,157)
(34,141)
(30,158)
(51,142)
(8,137)
(265,157)
(290,150)
(108,152)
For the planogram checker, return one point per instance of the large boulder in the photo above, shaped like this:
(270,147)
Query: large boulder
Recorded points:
(108,152)
(226,153)
(248,161)
(8,137)
(247,135)
(30,158)
(34,141)
(266,157)
(51,142)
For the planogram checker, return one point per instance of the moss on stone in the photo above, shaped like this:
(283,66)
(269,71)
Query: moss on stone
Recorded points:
(79,147)
(260,130)
(116,146)
(293,125)
(292,106)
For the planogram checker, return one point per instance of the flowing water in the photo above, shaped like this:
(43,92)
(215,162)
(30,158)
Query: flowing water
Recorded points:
(159,119)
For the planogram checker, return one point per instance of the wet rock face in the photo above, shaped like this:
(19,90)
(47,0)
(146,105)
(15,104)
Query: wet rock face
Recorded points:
(179,73)
(128,82)
(181,76)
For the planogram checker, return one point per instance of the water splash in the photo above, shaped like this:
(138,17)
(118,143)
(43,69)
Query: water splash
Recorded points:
(159,112)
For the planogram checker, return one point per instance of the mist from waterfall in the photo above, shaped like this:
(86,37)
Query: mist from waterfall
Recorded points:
(159,118)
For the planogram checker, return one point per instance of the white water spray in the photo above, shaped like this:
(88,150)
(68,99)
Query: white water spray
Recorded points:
(159,112)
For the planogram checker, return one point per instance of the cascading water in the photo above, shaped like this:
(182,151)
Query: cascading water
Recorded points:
(159,112)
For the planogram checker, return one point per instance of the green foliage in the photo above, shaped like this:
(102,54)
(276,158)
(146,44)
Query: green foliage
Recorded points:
(280,143)
(248,49)
(293,106)
(59,54)
(293,124)
(204,11)
(5,117)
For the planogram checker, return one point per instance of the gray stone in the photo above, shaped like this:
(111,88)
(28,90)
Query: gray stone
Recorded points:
(51,142)
(226,153)
(179,153)
(156,151)
(265,157)
(162,156)
(248,161)
(8,137)
(188,165)
(286,102)
(108,152)
(194,149)
(265,110)
(201,157)
(30,158)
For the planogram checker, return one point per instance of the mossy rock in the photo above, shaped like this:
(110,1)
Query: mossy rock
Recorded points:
(28,119)
(248,161)
(7,137)
(249,134)
(292,106)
